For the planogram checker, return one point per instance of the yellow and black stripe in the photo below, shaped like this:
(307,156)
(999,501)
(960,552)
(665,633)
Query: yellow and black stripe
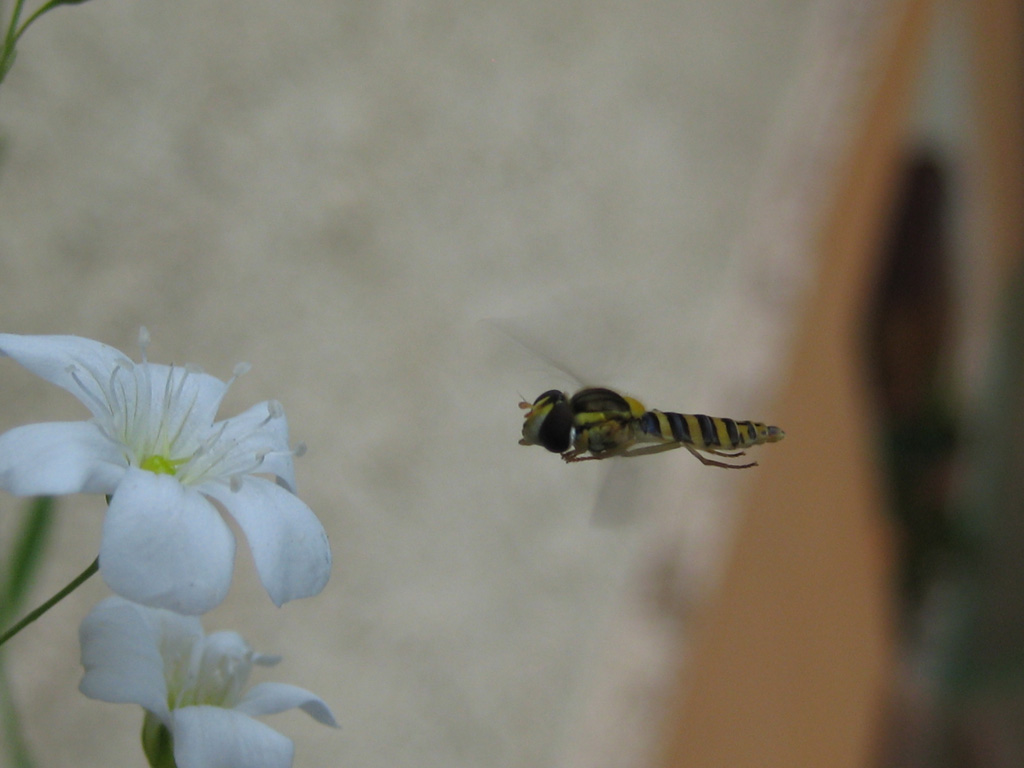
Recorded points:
(706,433)
(604,423)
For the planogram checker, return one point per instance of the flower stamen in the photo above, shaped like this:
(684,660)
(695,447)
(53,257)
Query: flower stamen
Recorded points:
(143,342)
(74,372)
(160,465)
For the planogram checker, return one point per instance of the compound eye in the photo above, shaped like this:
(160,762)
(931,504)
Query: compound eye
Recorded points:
(556,432)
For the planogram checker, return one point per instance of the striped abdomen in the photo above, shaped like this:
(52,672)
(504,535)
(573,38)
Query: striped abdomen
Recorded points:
(705,432)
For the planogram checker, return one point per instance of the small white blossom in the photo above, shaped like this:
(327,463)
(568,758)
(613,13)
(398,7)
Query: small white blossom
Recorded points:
(154,448)
(191,685)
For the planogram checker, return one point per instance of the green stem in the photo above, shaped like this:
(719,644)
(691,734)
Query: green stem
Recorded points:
(10,38)
(11,34)
(14,32)
(39,12)
(71,587)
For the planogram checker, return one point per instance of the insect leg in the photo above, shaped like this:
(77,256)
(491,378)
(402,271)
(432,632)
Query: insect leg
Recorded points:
(726,454)
(573,455)
(712,463)
(649,449)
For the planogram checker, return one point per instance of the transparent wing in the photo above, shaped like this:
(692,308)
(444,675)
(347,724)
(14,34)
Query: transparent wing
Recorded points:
(538,348)
(624,483)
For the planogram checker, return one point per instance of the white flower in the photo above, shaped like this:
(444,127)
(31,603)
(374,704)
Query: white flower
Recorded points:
(190,684)
(154,448)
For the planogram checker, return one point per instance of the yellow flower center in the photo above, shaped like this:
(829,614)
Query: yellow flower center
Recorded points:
(160,465)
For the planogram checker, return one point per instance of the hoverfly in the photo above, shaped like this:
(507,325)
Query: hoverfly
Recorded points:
(605,424)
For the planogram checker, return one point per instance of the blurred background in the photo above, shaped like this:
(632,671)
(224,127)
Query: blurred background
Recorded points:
(804,212)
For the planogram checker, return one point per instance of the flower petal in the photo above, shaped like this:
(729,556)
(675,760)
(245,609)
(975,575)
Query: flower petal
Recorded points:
(288,543)
(165,546)
(53,357)
(185,401)
(121,651)
(57,458)
(211,737)
(271,698)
